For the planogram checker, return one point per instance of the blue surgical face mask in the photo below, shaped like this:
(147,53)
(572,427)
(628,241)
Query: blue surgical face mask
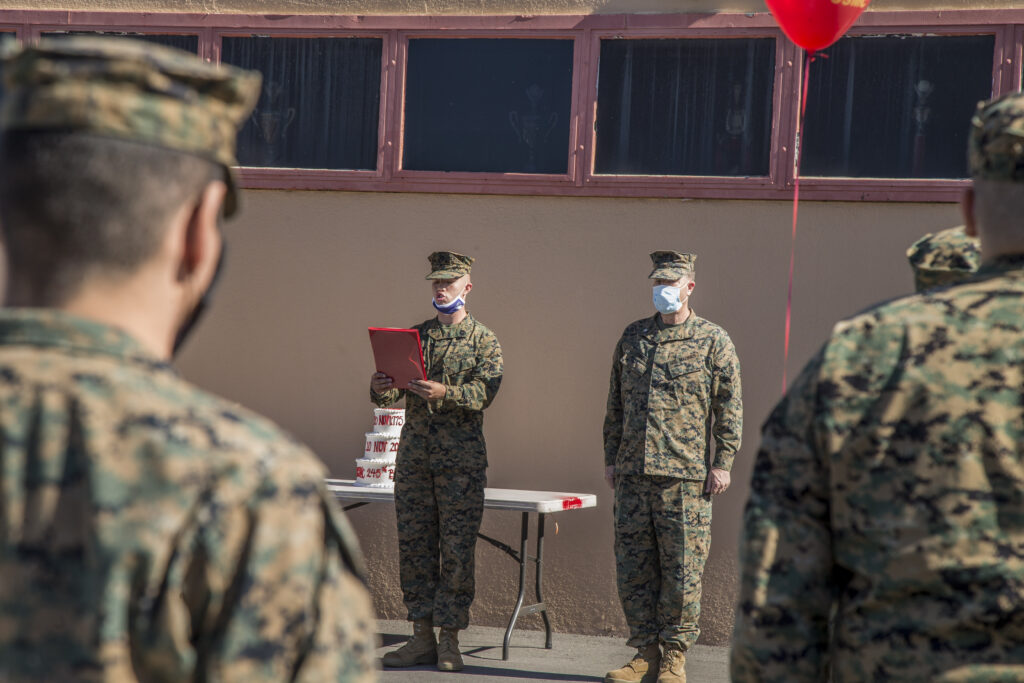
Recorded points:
(452,306)
(666,298)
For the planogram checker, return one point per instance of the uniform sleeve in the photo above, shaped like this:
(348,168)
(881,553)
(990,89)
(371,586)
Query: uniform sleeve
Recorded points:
(388,398)
(294,607)
(781,627)
(613,410)
(726,404)
(345,640)
(485,378)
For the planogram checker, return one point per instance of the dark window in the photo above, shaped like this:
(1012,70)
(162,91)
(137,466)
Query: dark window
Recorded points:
(895,106)
(685,107)
(5,37)
(498,105)
(187,43)
(320,105)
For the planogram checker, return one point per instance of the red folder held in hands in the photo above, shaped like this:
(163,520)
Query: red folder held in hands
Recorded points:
(398,354)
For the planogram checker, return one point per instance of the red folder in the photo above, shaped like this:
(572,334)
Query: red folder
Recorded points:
(398,354)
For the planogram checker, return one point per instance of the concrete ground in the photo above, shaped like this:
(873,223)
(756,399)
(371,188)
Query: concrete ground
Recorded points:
(573,658)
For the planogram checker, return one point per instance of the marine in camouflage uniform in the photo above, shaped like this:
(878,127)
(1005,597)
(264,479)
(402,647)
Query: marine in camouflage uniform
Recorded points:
(441,468)
(944,258)
(673,389)
(889,487)
(149,530)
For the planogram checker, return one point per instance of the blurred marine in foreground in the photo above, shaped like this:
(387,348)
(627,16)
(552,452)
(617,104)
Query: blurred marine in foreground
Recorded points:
(888,493)
(944,258)
(148,530)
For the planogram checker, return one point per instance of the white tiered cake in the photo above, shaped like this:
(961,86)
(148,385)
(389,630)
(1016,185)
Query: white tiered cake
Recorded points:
(377,466)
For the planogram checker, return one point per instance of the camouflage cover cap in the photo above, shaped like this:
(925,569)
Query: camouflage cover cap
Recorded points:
(130,90)
(671,265)
(995,150)
(448,265)
(944,258)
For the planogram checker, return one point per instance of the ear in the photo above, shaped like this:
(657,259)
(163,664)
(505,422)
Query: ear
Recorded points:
(967,208)
(468,289)
(202,240)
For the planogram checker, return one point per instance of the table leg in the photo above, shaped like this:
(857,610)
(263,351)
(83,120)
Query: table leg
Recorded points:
(522,584)
(540,575)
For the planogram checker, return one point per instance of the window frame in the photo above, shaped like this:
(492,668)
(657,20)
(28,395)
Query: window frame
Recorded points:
(1013,60)
(1007,26)
(903,189)
(442,179)
(696,186)
(101,21)
(257,177)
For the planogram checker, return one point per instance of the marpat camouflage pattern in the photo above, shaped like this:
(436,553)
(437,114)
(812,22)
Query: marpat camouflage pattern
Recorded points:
(995,146)
(667,383)
(944,258)
(672,265)
(150,531)
(448,265)
(662,540)
(441,470)
(889,491)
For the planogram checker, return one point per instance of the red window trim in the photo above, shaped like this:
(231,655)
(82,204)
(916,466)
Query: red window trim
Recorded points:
(565,180)
(904,189)
(769,182)
(283,178)
(1006,25)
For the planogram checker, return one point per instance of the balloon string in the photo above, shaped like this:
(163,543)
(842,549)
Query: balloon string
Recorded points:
(798,143)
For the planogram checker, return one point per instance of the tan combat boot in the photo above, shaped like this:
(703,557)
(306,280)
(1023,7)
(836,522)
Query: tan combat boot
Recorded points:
(672,666)
(448,656)
(643,668)
(422,649)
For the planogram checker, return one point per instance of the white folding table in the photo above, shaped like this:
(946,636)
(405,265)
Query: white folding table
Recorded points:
(541,502)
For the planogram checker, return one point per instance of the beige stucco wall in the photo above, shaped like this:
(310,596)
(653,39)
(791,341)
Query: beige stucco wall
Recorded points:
(557,279)
(462,7)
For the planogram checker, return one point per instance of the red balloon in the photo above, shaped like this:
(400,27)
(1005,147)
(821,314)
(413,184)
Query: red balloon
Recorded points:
(816,24)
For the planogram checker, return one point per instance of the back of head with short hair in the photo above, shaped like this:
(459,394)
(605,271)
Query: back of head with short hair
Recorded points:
(74,206)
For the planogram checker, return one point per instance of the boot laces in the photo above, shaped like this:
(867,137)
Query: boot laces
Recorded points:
(448,642)
(640,659)
(672,660)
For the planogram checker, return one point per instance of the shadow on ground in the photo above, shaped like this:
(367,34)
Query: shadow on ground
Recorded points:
(573,658)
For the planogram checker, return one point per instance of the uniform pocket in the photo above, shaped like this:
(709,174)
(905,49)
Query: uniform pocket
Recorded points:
(687,378)
(454,368)
(684,366)
(634,364)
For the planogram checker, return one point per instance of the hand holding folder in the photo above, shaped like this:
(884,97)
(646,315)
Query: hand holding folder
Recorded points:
(398,354)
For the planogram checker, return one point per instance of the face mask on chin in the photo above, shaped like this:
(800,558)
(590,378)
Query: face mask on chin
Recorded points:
(188,325)
(667,298)
(452,306)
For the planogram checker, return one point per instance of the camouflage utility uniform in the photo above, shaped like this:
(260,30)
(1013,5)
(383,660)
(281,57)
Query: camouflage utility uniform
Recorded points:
(441,471)
(150,531)
(890,479)
(889,487)
(667,383)
(943,258)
